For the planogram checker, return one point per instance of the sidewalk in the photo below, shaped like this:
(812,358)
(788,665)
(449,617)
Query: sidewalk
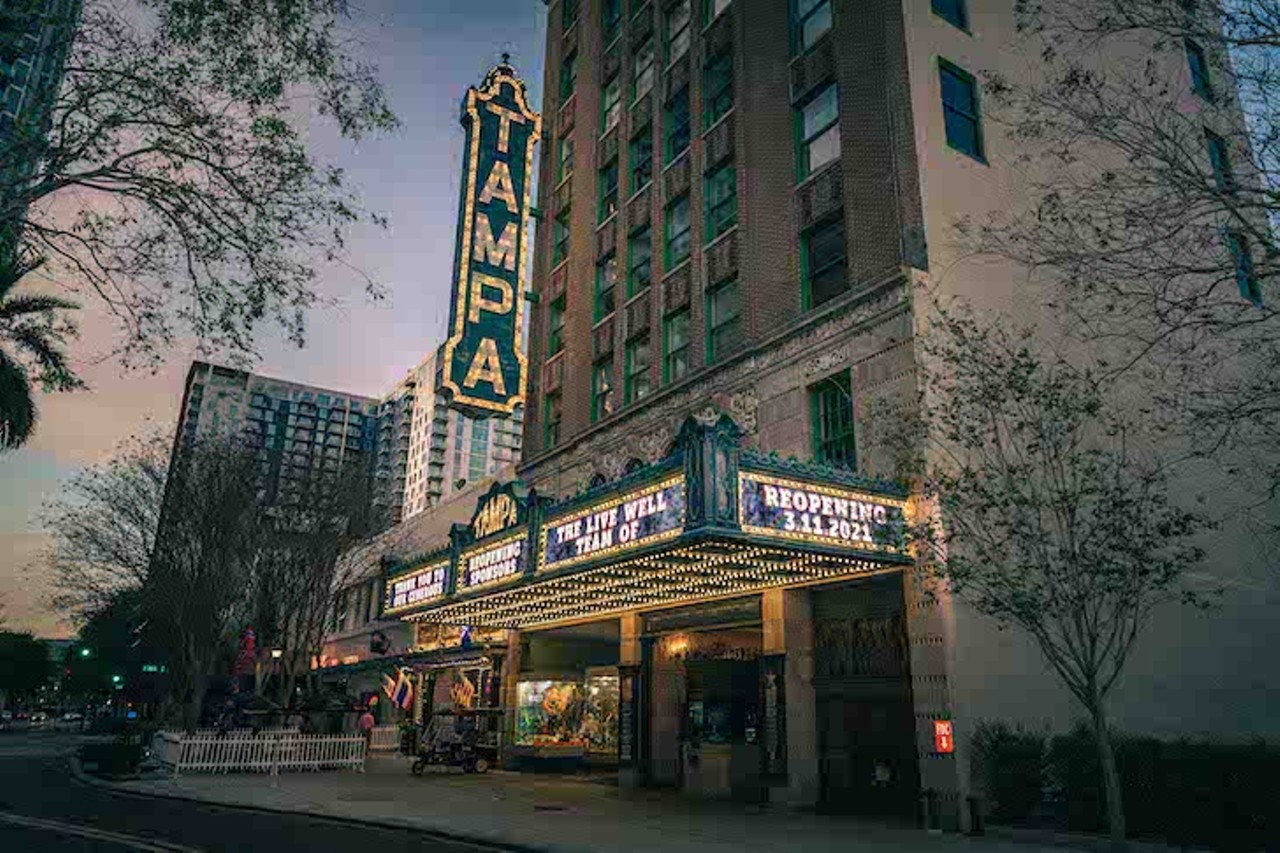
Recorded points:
(554,813)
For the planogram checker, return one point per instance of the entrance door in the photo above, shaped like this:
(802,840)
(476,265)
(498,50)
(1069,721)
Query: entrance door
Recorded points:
(866,742)
(866,727)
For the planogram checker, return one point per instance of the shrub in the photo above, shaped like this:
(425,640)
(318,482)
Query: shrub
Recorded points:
(1009,765)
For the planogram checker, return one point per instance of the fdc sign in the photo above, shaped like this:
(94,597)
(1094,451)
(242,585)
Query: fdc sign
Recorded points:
(484,363)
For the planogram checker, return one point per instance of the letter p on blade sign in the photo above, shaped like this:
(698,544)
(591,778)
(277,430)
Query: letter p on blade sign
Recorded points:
(943,736)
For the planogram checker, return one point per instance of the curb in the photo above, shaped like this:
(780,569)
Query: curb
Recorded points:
(78,772)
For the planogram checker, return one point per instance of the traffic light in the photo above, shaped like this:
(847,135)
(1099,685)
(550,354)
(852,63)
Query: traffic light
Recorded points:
(86,652)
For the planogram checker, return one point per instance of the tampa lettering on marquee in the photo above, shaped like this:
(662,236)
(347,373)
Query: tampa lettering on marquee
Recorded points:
(484,364)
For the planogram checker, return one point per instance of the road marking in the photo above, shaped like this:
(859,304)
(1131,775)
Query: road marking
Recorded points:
(133,841)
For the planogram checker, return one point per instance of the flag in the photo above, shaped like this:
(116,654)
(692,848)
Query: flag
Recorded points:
(388,686)
(403,695)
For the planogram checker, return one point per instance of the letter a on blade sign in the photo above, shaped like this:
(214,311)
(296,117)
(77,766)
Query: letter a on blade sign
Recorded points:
(484,364)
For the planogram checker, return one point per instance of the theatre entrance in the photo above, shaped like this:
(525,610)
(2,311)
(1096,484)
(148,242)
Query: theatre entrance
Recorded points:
(866,730)
(705,720)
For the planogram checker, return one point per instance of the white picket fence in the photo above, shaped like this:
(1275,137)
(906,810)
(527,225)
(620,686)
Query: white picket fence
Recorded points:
(384,739)
(272,752)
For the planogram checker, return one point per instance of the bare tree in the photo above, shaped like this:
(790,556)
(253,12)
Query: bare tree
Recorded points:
(167,169)
(298,568)
(1151,141)
(1049,512)
(206,545)
(104,526)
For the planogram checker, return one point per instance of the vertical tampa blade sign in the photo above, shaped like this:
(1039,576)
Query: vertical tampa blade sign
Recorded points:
(484,363)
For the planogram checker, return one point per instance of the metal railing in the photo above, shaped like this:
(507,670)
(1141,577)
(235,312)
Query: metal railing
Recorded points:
(267,752)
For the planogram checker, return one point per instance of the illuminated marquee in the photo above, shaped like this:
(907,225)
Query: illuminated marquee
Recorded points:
(408,591)
(617,525)
(827,515)
(484,364)
(502,561)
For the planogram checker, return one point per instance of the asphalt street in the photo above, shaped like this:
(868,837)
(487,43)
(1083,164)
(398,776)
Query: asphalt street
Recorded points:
(42,807)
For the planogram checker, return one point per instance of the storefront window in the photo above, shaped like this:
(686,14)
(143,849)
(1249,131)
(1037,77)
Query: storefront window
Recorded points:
(569,712)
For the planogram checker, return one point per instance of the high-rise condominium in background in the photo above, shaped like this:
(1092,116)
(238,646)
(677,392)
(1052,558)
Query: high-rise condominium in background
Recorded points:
(416,451)
(35,36)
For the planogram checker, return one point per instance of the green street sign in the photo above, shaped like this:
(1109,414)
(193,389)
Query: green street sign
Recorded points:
(484,365)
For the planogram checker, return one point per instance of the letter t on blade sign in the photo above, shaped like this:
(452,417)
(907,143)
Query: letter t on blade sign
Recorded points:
(944,740)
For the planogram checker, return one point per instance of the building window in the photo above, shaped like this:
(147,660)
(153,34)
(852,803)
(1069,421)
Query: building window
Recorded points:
(564,158)
(711,10)
(824,262)
(608,183)
(1200,82)
(642,70)
(676,124)
(810,20)
(612,18)
(724,319)
(606,282)
(555,325)
(960,110)
(832,407)
(675,344)
(552,428)
(819,131)
(953,12)
(610,105)
(1220,159)
(677,31)
(717,87)
(639,261)
(568,14)
(568,76)
(722,201)
(637,381)
(641,157)
(1242,259)
(560,236)
(601,390)
(679,238)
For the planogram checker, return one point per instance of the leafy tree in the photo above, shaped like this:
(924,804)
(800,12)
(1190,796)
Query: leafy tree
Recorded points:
(24,665)
(169,173)
(104,526)
(207,541)
(1049,512)
(1149,149)
(33,329)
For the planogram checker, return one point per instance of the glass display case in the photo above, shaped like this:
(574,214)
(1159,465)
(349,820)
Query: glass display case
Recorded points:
(579,713)
(549,712)
(600,716)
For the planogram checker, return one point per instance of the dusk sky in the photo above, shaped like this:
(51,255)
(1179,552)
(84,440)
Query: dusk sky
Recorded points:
(428,53)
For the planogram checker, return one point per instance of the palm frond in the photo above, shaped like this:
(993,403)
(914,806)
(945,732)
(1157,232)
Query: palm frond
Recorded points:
(21,305)
(17,406)
(42,344)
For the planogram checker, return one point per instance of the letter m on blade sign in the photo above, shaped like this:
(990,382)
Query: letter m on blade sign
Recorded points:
(484,365)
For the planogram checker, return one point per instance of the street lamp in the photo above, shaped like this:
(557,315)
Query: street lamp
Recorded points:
(276,654)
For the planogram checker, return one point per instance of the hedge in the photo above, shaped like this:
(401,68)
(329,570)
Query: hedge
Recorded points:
(1199,792)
